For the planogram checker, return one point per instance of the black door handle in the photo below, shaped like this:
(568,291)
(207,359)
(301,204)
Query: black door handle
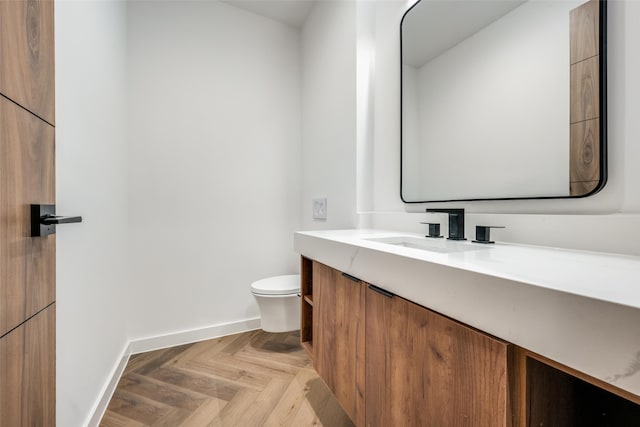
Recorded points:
(350,277)
(381,291)
(44,220)
(53,219)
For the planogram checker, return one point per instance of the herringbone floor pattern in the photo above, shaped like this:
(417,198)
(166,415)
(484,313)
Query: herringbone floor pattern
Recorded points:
(249,379)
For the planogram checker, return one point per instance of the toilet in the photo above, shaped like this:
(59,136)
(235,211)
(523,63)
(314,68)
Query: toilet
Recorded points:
(278,298)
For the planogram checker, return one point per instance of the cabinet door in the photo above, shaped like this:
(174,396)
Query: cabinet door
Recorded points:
(338,337)
(424,369)
(27,55)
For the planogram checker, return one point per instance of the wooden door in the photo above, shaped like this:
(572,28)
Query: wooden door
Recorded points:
(27,264)
(424,369)
(27,172)
(338,337)
(27,55)
(27,373)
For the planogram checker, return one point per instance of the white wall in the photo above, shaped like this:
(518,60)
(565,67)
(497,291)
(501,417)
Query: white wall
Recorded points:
(365,79)
(329,165)
(625,87)
(93,288)
(412,164)
(607,220)
(178,140)
(214,127)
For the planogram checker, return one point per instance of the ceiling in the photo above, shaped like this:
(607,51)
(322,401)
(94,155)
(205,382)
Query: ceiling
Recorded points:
(432,27)
(290,12)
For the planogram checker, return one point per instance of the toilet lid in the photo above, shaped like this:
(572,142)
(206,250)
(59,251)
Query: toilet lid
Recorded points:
(278,285)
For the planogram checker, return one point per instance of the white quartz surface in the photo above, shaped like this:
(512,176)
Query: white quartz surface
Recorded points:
(607,277)
(577,307)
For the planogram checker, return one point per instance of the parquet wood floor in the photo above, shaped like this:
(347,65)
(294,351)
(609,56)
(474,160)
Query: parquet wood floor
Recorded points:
(249,379)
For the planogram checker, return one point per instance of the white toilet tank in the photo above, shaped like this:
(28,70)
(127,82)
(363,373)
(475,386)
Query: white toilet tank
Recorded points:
(278,298)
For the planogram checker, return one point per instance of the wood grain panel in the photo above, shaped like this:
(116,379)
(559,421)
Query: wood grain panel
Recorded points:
(112,419)
(549,400)
(306,317)
(338,337)
(585,151)
(27,373)
(584,156)
(425,369)
(585,90)
(584,377)
(27,265)
(27,55)
(584,31)
(161,392)
(517,403)
(216,383)
(583,187)
(556,398)
(138,408)
(585,143)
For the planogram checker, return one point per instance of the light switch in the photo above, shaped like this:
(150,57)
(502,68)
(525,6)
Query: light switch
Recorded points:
(320,208)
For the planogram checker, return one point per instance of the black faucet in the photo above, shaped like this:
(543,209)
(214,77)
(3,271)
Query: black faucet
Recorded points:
(456,222)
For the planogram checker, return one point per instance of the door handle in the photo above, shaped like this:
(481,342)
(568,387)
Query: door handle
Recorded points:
(44,220)
(381,291)
(53,219)
(350,277)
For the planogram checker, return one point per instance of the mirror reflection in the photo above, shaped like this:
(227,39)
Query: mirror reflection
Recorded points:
(501,99)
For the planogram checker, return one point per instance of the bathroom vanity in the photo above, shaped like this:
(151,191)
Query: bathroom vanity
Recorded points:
(405,329)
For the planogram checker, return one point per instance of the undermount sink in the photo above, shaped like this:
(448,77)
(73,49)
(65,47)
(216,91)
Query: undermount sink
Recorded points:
(430,244)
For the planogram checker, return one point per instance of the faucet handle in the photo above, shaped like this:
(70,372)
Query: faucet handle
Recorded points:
(434,229)
(456,222)
(483,233)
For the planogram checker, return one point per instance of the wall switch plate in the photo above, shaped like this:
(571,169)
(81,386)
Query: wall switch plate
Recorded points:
(320,208)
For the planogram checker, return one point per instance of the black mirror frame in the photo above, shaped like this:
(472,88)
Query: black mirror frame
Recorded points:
(602,24)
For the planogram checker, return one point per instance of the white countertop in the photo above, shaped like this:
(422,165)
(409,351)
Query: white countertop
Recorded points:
(607,277)
(577,307)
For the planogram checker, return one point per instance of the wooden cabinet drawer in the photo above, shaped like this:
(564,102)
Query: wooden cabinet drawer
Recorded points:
(338,337)
(425,369)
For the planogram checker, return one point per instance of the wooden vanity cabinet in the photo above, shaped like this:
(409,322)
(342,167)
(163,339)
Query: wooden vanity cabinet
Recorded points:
(423,368)
(338,337)
(392,362)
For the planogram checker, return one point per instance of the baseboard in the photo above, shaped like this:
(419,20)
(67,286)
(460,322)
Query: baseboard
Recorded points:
(192,335)
(163,341)
(109,389)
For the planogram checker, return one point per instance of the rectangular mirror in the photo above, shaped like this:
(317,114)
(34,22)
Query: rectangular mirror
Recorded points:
(503,99)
